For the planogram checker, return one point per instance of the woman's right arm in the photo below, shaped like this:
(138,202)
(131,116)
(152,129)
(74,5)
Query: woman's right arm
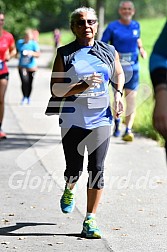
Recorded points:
(61,89)
(57,76)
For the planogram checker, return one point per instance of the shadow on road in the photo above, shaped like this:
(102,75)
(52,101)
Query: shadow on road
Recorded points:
(24,141)
(6,231)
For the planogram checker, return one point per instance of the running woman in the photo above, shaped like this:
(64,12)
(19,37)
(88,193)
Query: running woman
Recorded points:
(28,50)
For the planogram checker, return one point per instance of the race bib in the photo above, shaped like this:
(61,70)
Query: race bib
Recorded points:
(94,102)
(95,90)
(1,65)
(127,58)
(25,60)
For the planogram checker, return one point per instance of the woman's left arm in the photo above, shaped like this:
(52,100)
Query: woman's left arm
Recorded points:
(35,52)
(119,80)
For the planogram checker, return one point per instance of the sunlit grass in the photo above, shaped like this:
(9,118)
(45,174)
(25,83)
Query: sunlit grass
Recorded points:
(47,38)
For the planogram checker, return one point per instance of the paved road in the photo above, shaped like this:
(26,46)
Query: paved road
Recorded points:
(132,213)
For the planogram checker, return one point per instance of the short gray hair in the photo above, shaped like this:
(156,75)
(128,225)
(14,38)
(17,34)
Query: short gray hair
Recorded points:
(77,11)
(122,2)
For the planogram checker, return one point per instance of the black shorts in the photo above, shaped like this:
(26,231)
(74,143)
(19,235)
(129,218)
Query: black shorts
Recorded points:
(159,76)
(4,76)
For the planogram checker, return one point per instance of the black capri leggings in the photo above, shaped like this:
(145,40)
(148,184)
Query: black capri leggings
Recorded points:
(74,141)
(159,76)
(26,80)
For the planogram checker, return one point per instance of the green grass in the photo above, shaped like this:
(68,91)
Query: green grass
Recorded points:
(150,29)
(47,37)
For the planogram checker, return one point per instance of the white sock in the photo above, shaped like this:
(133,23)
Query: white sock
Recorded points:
(72,190)
(92,215)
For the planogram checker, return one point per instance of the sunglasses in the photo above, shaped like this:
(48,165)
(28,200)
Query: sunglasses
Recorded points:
(2,20)
(83,22)
(126,8)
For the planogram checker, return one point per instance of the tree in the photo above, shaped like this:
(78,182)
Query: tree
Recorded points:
(48,14)
(18,15)
(100,12)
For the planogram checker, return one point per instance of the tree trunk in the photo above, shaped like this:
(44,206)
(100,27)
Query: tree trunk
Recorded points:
(100,14)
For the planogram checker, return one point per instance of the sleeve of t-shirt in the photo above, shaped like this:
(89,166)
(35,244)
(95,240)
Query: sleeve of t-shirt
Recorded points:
(36,47)
(107,34)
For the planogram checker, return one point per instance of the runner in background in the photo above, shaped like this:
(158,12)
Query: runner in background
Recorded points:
(57,37)
(124,35)
(28,50)
(7,51)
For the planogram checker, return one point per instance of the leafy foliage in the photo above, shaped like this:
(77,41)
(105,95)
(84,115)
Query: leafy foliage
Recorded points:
(48,14)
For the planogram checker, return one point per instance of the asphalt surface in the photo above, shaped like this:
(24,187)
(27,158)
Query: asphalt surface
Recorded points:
(132,214)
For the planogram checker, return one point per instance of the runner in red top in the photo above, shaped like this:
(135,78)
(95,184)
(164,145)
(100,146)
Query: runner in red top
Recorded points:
(7,51)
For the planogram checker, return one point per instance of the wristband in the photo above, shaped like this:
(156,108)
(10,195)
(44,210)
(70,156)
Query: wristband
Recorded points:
(119,91)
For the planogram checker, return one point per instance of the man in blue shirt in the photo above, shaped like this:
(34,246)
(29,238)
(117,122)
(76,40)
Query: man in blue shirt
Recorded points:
(124,35)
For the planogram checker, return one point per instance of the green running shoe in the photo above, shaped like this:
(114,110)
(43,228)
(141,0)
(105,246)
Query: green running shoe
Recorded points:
(67,201)
(90,229)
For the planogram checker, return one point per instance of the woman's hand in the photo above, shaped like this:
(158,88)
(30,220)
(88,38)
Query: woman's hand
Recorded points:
(28,53)
(118,104)
(93,80)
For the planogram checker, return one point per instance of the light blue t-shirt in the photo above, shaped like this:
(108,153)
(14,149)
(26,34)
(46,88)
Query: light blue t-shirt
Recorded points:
(27,61)
(92,108)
